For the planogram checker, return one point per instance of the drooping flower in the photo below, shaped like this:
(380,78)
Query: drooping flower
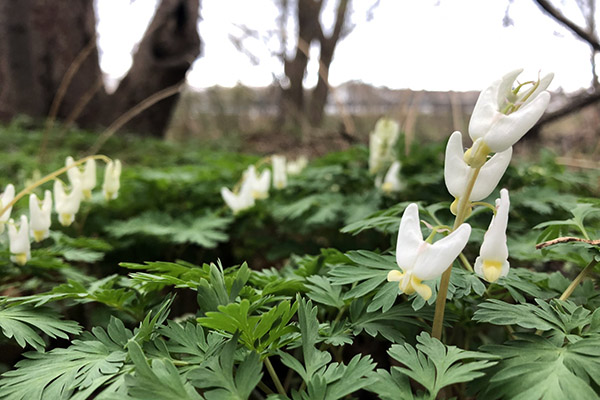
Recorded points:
(502,115)
(20,247)
(40,216)
(66,206)
(241,200)
(296,166)
(5,198)
(112,175)
(381,144)
(419,260)
(391,181)
(492,262)
(279,173)
(87,176)
(456,171)
(259,184)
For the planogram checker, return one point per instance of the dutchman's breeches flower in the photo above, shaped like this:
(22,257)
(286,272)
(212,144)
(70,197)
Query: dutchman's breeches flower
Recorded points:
(503,114)
(381,144)
(112,182)
(241,200)
(20,247)
(391,181)
(419,260)
(279,172)
(87,176)
(492,262)
(40,216)
(67,205)
(5,198)
(457,172)
(259,184)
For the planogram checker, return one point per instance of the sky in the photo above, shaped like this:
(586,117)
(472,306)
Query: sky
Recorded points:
(417,44)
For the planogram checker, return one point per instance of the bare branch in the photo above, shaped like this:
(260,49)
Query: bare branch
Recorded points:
(577,30)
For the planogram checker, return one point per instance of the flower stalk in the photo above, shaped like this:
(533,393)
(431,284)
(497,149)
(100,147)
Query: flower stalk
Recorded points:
(463,211)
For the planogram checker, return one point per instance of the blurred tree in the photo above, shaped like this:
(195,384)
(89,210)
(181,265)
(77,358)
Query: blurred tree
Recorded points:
(44,43)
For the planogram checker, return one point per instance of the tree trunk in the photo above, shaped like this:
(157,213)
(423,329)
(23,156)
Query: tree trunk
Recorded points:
(40,40)
(321,91)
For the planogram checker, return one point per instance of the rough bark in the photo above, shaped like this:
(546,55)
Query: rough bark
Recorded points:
(308,12)
(328,43)
(40,39)
(168,49)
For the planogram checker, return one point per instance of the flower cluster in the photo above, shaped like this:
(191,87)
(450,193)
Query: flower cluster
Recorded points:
(502,115)
(256,187)
(382,156)
(66,204)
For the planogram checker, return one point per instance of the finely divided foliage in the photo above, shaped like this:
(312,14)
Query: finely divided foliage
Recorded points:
(294,285)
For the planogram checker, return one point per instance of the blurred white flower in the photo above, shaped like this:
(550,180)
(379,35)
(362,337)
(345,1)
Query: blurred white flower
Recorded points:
(66,206)
(420,260)
(40,216)
(296,166)
(391,181)
(20,247)
(279,173)
(502,115)
(259,184)
(5,198)
(112,175)
(241,200)
(87,176)
(381,144)
(456,171)
(492,262)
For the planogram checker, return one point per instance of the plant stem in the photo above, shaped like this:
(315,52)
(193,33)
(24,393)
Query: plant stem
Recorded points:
(463,208)
(51,176)
(274,376)
(569,290)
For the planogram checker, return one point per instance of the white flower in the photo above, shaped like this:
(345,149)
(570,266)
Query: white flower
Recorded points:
(40,216)
(87,176)
(391,181)
(66,206)
(259,184)
(111,184)
(20,247)
(381,144)
(296,166)
(502,115)
(5,198)
(240,201)
(419,260)
(456,171)
(279,174)
(492,262)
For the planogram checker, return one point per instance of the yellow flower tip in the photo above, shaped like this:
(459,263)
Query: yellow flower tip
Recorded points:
(454,206)
(258,195)
(38,236)
(394,276)
(66,219)
(20,258)
(87,194)
(491,270)
(423,290)
(476,158)
(387,187)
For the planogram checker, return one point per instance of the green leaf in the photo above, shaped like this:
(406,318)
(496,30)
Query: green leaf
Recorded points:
(533,367)
(321,291)
(435,365)
(79,370)
(19,321)
(206,231)
(159,381)
(217,374)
